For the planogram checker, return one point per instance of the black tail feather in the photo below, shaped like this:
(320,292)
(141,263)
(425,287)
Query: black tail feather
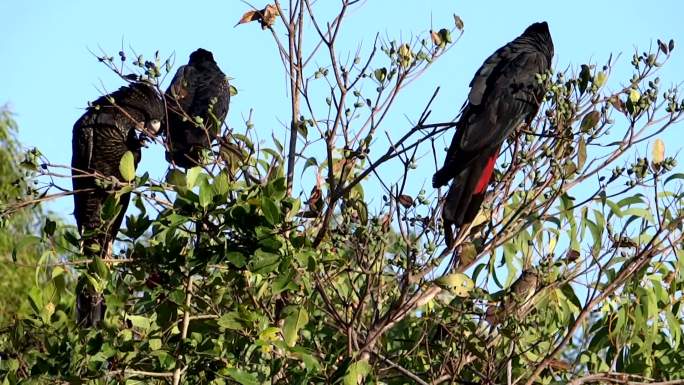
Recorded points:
(90,305)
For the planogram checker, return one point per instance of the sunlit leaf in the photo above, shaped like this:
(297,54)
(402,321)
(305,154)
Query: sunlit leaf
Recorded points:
(127,166)
(294,322)
(192,175)
(459,284)
(357,372)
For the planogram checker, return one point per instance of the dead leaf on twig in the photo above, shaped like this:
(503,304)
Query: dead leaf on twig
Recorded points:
(405,201)
(266,17)
(436,39)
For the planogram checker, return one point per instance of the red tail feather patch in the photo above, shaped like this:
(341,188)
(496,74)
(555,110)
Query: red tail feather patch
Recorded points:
(486,174)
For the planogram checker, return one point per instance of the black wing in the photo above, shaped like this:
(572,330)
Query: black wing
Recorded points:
(197,92)
(508,93)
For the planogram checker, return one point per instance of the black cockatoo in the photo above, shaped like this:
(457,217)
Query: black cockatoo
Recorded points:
(111,126)
(199,89)
(504,93)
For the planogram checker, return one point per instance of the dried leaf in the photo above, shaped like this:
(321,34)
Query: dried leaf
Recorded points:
(669,278)
(458,22)
(559,365)
(436,40)
(572,255)
(270,14)
(581,153)
(617,103)
(405,201)
(266,17)
(249,16)
(385,222)
(315,198)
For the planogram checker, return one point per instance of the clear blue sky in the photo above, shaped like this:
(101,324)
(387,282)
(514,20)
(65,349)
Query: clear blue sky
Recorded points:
(47,74)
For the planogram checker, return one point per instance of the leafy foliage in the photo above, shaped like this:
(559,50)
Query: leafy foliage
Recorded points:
(20,248)
(574,267)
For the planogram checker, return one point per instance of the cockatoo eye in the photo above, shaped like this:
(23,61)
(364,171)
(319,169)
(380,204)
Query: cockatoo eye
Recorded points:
(155,125)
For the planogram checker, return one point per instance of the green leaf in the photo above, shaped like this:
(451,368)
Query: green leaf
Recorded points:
(283,282)
(233,91)
(271,210)
(640,213)
(380,74)
(221,183)
(293,324)
(155,344)
(569,293)
(361,209)
(614,209)
(236,258)
(272,153)
(264,262)
(192,176)
(139,321)
(357,372)
(176,178)
(166,361)
(674,327)
(677,176)
(127,166)
(242,377)
(310,362)
(25,242)
(631,200)
(206,194)
(99,268)
(309,162)
(634,95)
(231,321)
(590,121)
(278,188)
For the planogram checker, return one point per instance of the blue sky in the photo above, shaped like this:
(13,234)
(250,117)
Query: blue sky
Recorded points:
(47,74)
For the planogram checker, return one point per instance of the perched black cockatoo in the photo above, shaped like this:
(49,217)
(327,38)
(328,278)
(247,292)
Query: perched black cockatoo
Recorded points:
(504,93)
(199,89)
(111,126)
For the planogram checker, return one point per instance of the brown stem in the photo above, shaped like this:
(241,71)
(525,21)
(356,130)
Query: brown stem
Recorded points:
(184,331)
